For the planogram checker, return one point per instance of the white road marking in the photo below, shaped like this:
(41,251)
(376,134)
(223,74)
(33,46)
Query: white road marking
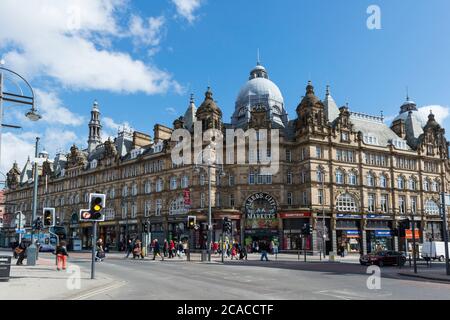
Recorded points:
(99,291)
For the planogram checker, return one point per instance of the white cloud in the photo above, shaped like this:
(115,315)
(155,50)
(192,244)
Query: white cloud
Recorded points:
(149,33)
(18,147)
(171,111)
(69,41)
(111,127)
(441,113)
(53,111)
(186,8)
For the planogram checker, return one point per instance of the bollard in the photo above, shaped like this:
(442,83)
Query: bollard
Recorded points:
(31,255)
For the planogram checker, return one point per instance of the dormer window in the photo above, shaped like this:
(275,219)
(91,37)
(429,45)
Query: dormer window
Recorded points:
(93,164)
(345,136)
(399,144)
(370,139)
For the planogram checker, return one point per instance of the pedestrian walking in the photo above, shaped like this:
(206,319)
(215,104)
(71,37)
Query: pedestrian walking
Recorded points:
(156,250)
(171,249)
(21,251)
(100,252)
(138,250)
(165,248)
(264,247)
(243,253)
(186,248)
(61,256)
(233,253)
(179,249)
(129,248)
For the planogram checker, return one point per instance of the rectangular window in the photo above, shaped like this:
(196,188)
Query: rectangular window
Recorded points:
(401,205)
(305,198)
(371,203)
(202,200)
(414,205)
(288,155)
(289,177)
(289,198)
(231,180)
(320,196)
(384,203)
(319,152)
(251,178)
(232,200)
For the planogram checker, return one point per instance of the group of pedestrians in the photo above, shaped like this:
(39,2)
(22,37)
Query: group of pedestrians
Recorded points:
(169,249)
(234,250)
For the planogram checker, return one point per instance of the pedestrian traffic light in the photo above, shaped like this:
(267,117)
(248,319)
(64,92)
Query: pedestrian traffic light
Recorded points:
(192,221)
(97,202)
(49,217)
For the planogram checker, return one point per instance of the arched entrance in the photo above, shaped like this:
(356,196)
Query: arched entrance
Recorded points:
(261,221)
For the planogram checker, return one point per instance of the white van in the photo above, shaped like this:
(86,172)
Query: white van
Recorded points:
(434,250)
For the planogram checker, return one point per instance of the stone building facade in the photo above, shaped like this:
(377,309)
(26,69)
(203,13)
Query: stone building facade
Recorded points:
(350,175)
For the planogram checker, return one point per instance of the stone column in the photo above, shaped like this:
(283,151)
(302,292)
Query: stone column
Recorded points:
(364,241)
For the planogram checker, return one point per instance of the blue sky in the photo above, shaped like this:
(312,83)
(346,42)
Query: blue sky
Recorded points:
(142,59)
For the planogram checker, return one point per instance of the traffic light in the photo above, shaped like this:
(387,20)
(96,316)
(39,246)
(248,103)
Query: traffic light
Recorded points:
(192,221)
(49,217)
(145,227)
(37,224)
(97,203)
(307,229)
(227,225)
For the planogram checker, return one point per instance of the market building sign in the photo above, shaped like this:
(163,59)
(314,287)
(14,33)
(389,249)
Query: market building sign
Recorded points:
(261,211)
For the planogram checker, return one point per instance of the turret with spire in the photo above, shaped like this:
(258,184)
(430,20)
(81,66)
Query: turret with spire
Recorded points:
(95,128)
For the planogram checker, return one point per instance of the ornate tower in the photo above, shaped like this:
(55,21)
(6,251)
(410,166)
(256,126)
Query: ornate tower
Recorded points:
(209,113)
(95,128)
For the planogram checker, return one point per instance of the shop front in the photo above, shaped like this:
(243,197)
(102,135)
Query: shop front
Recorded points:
(235,217)
(86,234)
(433,231)
(107,231)
(128,229)
(379,235)
(292,225)
(261,221)
(348,233)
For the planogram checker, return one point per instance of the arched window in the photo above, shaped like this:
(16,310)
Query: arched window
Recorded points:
(346,203)
(412,184)
(125,191)
(400,183)
(134,189)
(159,185)
(434,186)
(339,177)
(352,178)
(370,180)
(177,206)
(185,182)
(383,181)
(431,207)
(148,187)
(426,185)
(173,183)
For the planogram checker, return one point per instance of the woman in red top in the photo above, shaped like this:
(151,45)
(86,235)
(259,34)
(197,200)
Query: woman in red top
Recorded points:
(171,248)
(233,253)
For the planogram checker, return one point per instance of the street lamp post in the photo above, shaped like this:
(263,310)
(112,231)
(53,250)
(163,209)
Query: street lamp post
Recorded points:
(323,215)
(209,165)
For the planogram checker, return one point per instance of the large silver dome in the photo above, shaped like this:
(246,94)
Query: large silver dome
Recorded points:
(259,91)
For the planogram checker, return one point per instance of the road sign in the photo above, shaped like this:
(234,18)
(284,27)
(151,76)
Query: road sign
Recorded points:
(20,231)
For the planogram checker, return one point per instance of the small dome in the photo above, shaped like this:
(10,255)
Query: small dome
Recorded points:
(208,103)
(432,123)
(407,107)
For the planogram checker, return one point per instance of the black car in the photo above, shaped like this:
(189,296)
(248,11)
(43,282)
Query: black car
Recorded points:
(383,258)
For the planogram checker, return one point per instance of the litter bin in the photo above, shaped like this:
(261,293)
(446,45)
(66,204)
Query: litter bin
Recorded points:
(204,255)
(5,268)
(332,255)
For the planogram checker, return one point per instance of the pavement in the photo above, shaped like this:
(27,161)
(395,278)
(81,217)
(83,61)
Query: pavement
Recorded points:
(44,282)
(283,277)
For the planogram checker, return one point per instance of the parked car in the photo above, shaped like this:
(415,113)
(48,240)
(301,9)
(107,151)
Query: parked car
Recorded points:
(434,250)
(383,258)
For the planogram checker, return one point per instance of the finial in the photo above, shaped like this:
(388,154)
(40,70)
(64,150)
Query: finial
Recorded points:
(258,61)
(382,115)
(407,93)
(328,90)
(192,98)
